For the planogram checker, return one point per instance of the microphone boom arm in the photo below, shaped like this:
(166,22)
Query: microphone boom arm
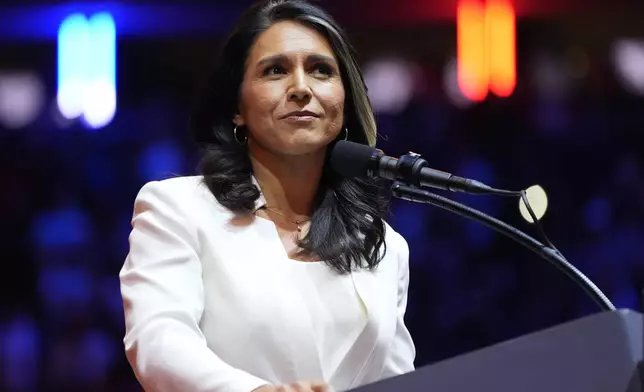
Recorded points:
(415,194)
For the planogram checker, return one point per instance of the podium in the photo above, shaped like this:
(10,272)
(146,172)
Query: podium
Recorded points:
(598,353)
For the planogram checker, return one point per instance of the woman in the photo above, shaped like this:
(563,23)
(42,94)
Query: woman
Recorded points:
(269,272)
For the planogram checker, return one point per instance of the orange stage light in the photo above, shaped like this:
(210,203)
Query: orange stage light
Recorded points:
(486,48)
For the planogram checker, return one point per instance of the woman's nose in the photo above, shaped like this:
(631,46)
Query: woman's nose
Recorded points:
(300,89)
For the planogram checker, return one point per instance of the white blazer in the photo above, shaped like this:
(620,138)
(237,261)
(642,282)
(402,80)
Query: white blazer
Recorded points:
(205,310)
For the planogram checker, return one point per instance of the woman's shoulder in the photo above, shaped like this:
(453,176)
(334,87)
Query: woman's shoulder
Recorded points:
(175,187)
(395,241)
(179,193)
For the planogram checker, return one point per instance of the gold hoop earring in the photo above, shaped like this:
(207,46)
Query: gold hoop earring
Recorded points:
(240,142)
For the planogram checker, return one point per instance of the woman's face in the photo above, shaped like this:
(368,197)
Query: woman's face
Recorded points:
(292,96)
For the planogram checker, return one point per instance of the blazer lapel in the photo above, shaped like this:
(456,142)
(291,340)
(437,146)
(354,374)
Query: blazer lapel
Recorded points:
(353,366)
(365,362)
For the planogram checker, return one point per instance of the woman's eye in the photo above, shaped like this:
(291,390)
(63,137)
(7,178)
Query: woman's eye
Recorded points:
(274,70)
(324,69)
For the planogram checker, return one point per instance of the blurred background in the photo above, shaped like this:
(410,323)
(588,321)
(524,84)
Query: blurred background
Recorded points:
(94,102)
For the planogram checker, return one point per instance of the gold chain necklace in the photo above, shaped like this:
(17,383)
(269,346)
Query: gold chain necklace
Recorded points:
(296,221)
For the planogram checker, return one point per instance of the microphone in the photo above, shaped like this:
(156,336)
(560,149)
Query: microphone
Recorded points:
(352,159)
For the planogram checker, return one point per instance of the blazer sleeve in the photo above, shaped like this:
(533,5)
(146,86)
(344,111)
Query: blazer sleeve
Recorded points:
(402,352)
(163,300)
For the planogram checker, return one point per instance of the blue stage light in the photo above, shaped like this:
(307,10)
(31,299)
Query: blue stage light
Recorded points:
(100,103)
(87,68)
(73,64)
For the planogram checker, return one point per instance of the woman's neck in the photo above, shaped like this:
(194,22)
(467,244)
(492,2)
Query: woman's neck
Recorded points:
(289,183)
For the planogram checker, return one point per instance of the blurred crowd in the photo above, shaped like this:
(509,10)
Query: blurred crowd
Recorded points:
(67,194)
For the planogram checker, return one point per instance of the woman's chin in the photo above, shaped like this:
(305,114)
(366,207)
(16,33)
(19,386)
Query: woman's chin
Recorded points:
(306,141)
(304,146)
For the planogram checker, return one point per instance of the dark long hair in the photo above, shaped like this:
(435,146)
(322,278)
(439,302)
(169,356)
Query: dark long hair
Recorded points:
(347,229)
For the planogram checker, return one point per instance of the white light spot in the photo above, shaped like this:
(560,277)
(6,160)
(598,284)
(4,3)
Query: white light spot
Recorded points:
(21,99)
(538,201)
(390,83)
(628,56)
(100,104)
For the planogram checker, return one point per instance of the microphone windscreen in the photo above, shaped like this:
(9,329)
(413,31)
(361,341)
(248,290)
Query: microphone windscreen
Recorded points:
(351,159)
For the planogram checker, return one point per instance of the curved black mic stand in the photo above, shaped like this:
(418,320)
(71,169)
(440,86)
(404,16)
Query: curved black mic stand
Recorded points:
(412,193)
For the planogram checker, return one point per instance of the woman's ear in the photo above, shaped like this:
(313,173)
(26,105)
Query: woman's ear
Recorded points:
(239,120)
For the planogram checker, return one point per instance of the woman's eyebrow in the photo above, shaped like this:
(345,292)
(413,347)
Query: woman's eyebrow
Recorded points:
(279,58)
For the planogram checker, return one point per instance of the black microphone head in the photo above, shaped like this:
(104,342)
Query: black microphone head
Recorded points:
(350,159)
